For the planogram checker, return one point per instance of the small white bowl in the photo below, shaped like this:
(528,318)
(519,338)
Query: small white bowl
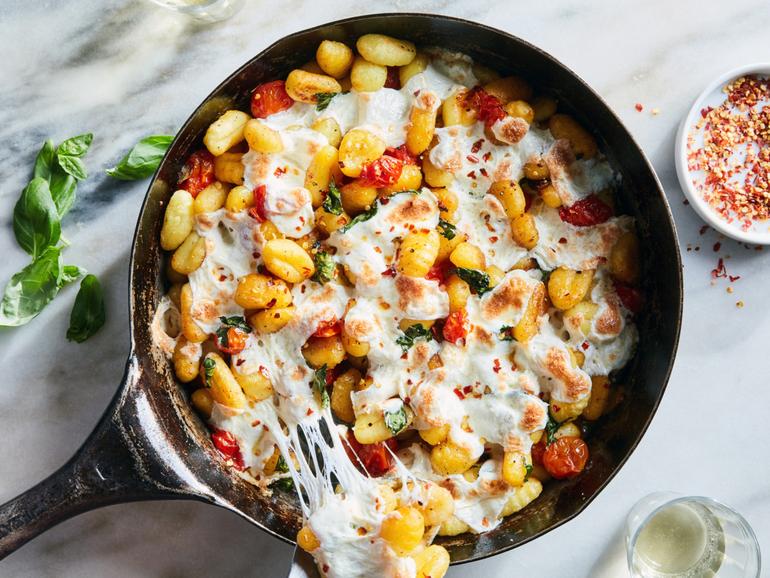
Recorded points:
(759,232)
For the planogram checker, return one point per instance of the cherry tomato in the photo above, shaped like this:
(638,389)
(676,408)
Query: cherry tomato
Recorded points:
(393,81)
(488,107)
(258,210)
(631,298)
(236,341)
(269,98)
(228,446)
(375,459)
(382,172)
(538,450)
(456,326)
(566,457)
(328,328)
(197,173)
(586,212)
(440,271)
(401,153)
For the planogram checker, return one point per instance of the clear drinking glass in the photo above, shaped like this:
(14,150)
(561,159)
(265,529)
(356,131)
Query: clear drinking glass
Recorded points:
(206,10)
(669,535)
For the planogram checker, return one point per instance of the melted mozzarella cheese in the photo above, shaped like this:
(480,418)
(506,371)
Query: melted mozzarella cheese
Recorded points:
(233,246)
(579,248)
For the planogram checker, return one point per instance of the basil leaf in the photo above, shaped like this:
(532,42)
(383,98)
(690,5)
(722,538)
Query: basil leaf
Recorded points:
(63,187)
(237,321)
(88,313)
(365,216)
(324,267)
(447,229)
(319,385)
(35,218)
(72,166)
(478,280)
(550,430)
(44,163)
(323,99)
(143,158)
(506,333)
(285,484)
(333,202)
(281,465)
(412,333)
(70,273)
(76,146)
(31,289)
(208,370)
(396,421)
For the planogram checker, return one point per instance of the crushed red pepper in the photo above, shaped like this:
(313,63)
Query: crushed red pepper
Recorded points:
(731,167)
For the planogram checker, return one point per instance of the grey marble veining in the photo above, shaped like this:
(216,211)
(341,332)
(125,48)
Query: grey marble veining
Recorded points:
(123,69)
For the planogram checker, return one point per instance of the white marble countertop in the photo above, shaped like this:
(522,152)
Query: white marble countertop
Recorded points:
(127,69)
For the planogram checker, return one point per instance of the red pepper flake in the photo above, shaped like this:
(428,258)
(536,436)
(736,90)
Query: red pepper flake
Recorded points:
(719,271)
(309,412)
(496,366)
(389,272)
(472,159)
(487,156)
(563,240)
(222,278)
(458,393)
(733,278)
(471,175)
(467,389)
(638,106)
(483,171)
(239,362)
(407,399)
(703,229)
(585,345)
(279,171)
(325,568)
(477,145)
(717,246)
(494,239)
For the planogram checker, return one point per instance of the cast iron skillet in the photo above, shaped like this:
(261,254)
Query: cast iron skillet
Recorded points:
(150,445)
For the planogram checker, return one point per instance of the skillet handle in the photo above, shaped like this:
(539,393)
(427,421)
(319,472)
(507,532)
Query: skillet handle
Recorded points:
(114,465)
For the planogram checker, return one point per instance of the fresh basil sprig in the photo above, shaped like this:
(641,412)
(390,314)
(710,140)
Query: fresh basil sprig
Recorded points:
(36,221)
(397,420)
(62,167)
(324,267)
(237,321)
(319,385)
(477,280)
(32,288)
(333,202)
(550,430)
(143,158)
(412,333)
(88,313)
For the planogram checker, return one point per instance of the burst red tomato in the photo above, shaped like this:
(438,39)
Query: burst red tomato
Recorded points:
(236,341)
(228,446)
(401,153)
(440,271)
(586,212)
(197,173)
(258,210)
(328,328)
(392,80)
(538,450)
(382,172)
(269,98)
(489,108)
(566,457)
(456,326)
(631,298)
(375,459)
